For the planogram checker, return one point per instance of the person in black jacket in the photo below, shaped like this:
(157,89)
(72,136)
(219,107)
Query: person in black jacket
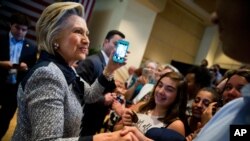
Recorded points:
(89,69)
(17,55)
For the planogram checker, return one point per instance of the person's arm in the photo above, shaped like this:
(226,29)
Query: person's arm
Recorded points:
(109,99)
(94,93)
(126,119)
(44,97)
(193,135)
(104,81)
(127,113)
(6,65)
(23,67)
(208,113)
(136,132)
(177,126)
(127,134)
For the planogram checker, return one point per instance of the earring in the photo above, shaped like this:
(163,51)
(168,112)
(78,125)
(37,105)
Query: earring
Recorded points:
(55,46)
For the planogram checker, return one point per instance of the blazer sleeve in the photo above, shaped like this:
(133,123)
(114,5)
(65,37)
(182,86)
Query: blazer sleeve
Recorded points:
(46,110)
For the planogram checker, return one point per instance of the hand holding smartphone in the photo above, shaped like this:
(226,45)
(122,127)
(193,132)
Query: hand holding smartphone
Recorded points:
(121,51)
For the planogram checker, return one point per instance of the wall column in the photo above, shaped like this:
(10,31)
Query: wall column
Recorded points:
(208,46)
(132,18)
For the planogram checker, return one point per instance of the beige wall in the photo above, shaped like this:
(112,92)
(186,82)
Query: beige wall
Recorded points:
(106,15)
(132,18)
(160,32)
(182,35)
(176,35)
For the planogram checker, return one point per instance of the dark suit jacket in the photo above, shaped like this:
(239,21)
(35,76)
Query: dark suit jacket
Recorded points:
(90,68)
(94,114)
(28,55)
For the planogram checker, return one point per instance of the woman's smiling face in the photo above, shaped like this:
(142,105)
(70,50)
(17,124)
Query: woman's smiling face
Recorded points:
(165,92)
(73,40)
(233,88)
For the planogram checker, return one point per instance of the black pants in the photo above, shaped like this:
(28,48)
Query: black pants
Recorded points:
(92,121)
(8,102)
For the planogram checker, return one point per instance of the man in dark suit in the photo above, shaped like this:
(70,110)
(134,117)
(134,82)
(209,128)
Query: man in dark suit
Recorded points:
(89,69)
(17,55)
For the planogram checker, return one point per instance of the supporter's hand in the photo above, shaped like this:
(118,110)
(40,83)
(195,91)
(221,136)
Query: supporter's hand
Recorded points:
(109,98)
(120,87)
(23,66)
(127,117)
(208,113)
(190,137)
(118,107)
(193,135)
(140,136)
(141,80)
(116,136)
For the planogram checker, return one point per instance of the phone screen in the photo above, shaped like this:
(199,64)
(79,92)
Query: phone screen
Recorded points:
(121,51)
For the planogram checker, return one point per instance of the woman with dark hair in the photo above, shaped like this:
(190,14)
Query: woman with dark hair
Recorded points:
(204,103)
(165,108)
(234,84)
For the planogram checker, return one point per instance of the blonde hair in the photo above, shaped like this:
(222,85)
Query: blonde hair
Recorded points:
(51,23)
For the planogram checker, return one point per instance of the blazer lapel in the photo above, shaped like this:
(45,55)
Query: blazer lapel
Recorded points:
(102,59)
(25,48)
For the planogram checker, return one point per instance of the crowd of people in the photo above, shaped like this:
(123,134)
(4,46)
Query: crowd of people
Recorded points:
(62,93)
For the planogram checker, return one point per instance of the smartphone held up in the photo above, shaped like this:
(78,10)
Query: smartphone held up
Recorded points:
(121,51)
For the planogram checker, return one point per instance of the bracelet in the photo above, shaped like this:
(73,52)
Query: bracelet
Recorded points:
(108,76)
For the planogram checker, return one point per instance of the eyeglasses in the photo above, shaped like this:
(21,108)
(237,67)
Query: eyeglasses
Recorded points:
(206,102)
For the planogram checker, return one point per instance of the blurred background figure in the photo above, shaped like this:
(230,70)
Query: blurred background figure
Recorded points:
(204,63)
(197,78)
(17,55)
(131,72)
(216,74)
(148,76)
(234,33)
